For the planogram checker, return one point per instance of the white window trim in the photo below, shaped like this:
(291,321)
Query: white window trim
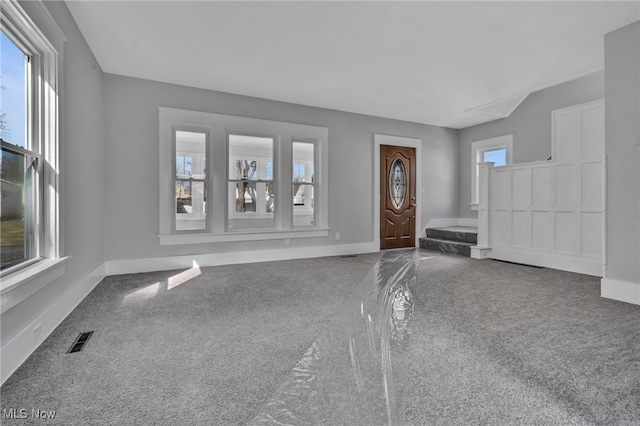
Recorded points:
(221,126)
(21,282)
(477,148)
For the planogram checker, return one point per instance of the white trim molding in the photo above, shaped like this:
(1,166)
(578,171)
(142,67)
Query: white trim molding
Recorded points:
(133,266)
(623,291)
(242,235)
(18,349)
(21,285)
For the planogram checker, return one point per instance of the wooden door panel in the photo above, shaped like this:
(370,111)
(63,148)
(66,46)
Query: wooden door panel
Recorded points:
(406,228)
(397,197)
(389,229)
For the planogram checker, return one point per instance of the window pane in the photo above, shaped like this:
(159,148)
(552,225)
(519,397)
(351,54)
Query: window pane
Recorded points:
(13,92)
(190,181)
(298,172)
(270,204)
(496,156)
(303,161)
(303,208)
(245,170)
(17,208)
(252,205)
(268,170)
(397,183)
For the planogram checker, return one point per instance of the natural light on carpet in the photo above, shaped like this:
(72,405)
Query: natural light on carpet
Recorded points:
(184,277)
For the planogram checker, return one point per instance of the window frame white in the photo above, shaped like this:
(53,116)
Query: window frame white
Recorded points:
(477,150)
(42,134)
(220,126)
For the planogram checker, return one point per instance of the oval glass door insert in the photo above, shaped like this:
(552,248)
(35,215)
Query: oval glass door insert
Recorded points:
(397,183)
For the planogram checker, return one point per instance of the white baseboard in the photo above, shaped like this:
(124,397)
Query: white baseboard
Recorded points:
(454,221)
(17,350)
(133,266)
(623,291)
(548,259)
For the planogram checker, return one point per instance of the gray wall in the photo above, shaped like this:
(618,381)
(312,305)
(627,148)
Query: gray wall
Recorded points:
(530,124)
(82,165)
(132,165)
(622,133)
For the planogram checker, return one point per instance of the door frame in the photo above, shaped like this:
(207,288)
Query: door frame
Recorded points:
(378,140)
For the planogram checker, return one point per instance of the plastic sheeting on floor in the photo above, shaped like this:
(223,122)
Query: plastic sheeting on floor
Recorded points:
(352,372)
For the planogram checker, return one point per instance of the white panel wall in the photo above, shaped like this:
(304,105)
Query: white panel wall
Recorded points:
(552,213)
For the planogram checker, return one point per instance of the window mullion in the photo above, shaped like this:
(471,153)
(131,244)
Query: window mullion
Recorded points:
(284,189)
(218,173)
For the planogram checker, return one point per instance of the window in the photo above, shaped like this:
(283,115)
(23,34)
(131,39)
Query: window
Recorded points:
(263,179)
(29,147)
(496,150)
(496,156)
(303,183)
(251,182)
(190,181)
(19,161)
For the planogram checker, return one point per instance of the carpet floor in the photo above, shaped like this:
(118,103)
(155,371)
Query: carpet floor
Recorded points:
(489,343)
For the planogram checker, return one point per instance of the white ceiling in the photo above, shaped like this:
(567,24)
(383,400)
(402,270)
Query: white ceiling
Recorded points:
(426,62)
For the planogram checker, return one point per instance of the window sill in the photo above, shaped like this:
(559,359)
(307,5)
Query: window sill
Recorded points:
(22,284)
(474,206)
(234,236)
(251,216)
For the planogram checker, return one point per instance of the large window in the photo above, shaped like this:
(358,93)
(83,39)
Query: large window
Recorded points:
(245,179)
(29,143)
(19,160)
(494,150)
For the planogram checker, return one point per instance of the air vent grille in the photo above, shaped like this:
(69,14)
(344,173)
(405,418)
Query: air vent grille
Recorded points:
(80,342)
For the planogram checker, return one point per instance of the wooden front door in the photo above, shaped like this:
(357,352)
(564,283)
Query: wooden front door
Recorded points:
(397,197)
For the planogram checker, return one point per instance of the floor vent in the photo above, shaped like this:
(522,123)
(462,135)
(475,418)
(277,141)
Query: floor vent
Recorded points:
(344,256)
(81,340)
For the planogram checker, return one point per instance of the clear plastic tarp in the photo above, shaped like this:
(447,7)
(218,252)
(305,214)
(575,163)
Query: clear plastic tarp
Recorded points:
(352,372)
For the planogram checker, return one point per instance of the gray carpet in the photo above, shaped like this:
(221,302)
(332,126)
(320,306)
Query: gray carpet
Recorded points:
(209,351)
(491,343)
(497,343)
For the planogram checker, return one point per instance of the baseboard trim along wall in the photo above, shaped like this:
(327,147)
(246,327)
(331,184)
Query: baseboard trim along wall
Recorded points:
(134,266)
(17,350)
(623,291)
(549,259)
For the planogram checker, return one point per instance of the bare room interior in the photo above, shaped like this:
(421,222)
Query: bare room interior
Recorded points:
(320,213)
